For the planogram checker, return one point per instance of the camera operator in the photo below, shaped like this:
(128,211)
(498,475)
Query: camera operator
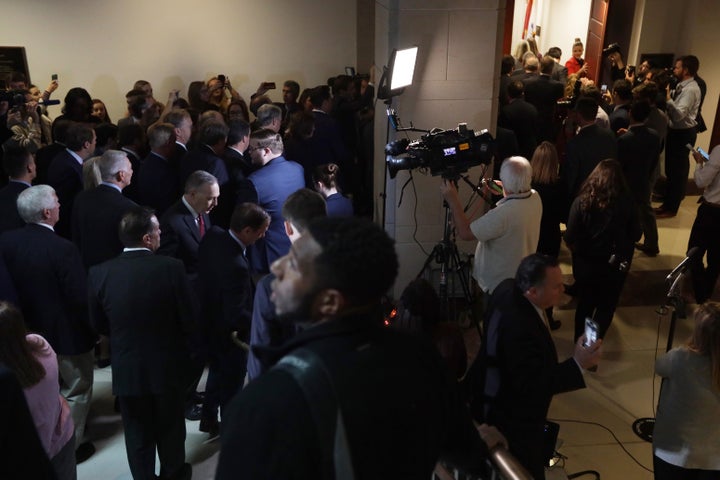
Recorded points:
(507,233)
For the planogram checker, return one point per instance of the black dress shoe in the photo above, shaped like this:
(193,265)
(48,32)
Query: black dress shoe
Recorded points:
(210,426)
(650,252)
(193,412)
(83,452)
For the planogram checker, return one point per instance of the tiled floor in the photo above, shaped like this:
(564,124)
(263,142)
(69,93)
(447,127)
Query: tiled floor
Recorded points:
(620,392)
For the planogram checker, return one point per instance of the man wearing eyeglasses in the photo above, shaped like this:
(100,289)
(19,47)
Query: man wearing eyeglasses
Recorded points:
(269,187)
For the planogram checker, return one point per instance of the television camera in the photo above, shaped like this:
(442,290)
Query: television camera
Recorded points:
(448,153)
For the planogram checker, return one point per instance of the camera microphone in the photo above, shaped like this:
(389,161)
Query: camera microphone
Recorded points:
(48,103)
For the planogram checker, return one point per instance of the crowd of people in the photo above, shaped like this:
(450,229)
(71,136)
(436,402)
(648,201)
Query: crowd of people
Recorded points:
(192,235)
(589,158)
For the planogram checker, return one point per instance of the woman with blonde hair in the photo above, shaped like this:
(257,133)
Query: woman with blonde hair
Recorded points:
(686,438)
(577,64)
(34,363)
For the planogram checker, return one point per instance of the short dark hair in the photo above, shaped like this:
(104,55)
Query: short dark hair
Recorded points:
(129,134)
(77,135)
(293,86)
(623,89)
(59,129)
(507,64)
(302,207)
(647,92)
(691,62)
(176,116)
(248,215)
(532,270)
(237,130)
(587,108)
(134,225)
(555,52)
(515,89)
(319,94)
(358,258)
(640,110)
(15,160)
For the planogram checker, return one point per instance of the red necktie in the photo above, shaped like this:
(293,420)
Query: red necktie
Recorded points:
(201,226)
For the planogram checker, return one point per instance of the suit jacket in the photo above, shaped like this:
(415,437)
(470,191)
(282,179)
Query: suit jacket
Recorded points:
(226,288)
(522,118)
(544,94)
(584,151)
(525,369)
(9,216)
(65,176)
(203,158)
(238,169)
(619,118)
(96,216)
(638,153)
(273,183)
(43,158)
(50,281)
(144,303)
(180,236)
(559,73)
(158,183)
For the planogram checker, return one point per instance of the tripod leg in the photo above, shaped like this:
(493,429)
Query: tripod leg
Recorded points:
(457,265)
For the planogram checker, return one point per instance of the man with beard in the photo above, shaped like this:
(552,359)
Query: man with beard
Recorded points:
(348,395)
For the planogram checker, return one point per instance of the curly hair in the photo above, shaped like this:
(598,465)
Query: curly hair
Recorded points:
(604,185)
(358,258)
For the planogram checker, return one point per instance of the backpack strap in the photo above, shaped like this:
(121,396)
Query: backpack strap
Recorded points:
(310,373)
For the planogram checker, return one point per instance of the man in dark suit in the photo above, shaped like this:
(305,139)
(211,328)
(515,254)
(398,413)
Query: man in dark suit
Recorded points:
(50,281)
(45,155)
(65,172)
(517,371)
(159,179)
(97,212)
(544,93)
(19,165)
(639,153)
(559,71)
(522,118)
(208,152)
(183,127)
(238,168)
(185,223)
(143,303)
(326,145)
(226,292)
(271,185)
(585,150)
(621,98)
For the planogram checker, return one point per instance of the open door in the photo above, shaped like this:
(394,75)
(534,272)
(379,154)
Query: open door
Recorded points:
(596,35)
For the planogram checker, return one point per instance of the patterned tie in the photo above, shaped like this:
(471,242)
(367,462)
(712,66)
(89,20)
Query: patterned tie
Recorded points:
(201,226)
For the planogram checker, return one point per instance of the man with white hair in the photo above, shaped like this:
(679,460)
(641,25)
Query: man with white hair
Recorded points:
(507,233)
(97,212)
(48,275)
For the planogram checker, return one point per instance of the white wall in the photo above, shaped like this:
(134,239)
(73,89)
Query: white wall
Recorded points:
(104,46)
(563,21)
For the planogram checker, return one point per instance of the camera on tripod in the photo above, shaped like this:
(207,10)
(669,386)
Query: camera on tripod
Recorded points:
(444,152)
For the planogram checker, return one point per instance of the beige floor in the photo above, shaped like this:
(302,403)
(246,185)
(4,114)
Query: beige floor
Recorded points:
(620,392)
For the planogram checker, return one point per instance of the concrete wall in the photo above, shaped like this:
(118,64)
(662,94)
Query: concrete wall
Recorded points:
(104,46)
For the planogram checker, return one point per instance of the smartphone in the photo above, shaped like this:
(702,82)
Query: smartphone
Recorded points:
(702,152)
(54,77)
(350,71)
(591,332)
(221,78)
(270,85)
(631,69)
(603,89)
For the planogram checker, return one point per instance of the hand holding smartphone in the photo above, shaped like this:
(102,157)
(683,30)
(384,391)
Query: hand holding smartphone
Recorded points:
(591,332)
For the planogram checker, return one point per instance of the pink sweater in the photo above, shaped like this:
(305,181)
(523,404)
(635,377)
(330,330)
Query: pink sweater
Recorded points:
(50,411)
